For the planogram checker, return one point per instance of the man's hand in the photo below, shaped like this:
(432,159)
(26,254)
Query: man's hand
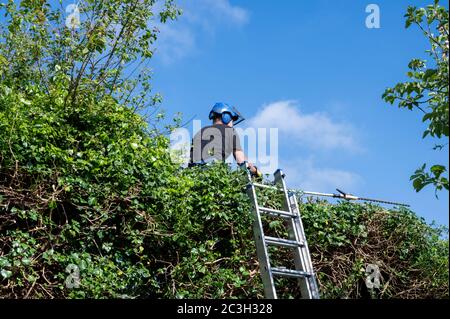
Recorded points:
(240,158)
(254,170)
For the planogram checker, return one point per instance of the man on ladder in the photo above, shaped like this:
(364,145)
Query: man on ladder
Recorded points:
(218,141)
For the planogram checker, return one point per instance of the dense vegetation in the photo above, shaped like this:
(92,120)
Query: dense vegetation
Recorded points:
(176,233)
(86,183)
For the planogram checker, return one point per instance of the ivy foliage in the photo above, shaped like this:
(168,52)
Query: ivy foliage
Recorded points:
(102,194)
(187,233)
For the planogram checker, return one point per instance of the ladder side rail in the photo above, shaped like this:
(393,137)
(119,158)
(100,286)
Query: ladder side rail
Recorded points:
(261,247)
(306,254)
(300,261)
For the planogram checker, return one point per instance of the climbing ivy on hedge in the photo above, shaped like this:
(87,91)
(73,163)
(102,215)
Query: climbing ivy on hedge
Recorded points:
(102,194)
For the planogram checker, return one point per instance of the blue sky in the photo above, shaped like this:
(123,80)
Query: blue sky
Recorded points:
(312,69)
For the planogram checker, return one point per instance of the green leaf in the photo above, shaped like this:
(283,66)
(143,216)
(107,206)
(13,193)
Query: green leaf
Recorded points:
(92,201)
(429,73)
(418,184)
(6,273)
(438,170)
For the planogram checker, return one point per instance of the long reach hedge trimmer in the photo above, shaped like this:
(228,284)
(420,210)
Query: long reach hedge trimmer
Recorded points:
(349,197)
(341,195)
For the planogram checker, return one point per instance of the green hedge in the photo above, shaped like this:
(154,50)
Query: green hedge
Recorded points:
(90,186)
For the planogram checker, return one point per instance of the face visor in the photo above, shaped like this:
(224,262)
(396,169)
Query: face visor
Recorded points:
(237,116)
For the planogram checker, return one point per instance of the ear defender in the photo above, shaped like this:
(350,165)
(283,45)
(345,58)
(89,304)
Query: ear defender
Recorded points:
(226,118)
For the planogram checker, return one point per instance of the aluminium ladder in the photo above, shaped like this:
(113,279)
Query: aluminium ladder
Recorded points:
(297,242)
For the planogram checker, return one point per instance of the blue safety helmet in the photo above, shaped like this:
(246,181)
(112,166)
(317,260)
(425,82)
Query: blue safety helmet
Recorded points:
(227,113)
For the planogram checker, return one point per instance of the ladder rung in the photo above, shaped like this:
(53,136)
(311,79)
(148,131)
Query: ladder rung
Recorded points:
(282,242)
(290,273)
(277,212)
(268,186)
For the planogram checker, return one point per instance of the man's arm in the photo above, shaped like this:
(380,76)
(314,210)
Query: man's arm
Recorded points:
(240,158)
(239,155)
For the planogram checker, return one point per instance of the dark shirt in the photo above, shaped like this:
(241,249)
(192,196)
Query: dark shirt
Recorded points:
(216,141)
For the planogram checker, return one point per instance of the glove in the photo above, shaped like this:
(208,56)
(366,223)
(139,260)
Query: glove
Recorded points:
(257,173)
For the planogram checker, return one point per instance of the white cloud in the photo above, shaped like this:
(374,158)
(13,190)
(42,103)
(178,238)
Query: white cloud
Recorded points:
(174,43)
(317,130)
(312,131)
(178,39)
(225,11)
(304,174)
